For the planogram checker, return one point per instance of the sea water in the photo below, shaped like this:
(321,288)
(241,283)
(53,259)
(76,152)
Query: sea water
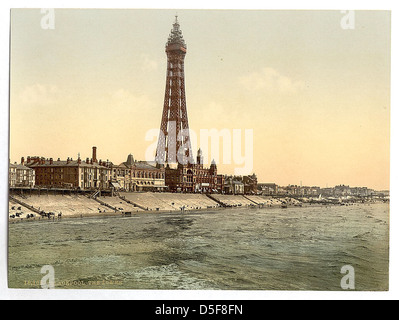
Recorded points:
(230,249)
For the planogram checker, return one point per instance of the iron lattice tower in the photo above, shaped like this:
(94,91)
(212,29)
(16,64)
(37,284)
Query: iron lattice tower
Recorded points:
(174,140)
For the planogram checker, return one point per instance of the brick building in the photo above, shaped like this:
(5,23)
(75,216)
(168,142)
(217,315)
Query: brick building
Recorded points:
(84,175)
(193,177)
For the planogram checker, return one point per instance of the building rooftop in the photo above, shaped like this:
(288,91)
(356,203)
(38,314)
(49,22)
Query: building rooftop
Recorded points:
(66,163)
(19,166)
(140,165)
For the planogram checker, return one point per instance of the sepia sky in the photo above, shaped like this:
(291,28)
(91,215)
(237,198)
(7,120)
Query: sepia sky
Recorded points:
(316,96)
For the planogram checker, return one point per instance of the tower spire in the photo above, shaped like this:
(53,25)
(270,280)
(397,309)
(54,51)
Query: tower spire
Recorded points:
(176,36)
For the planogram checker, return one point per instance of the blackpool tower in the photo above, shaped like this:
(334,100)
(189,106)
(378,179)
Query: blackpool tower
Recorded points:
(174,144)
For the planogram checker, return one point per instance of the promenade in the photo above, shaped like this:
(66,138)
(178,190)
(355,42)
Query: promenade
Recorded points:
(57,206)
(49,206)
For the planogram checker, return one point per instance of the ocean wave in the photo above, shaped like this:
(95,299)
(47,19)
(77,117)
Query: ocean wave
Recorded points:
(169,276)
(361,235)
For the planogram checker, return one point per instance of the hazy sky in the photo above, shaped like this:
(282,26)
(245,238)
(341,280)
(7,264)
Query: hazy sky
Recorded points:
(316,96)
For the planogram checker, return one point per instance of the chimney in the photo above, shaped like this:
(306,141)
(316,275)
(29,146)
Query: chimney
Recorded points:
(87,160)
(51,160)
(22,160)
(79,160)
(68,160)
(94,157)
(28,159)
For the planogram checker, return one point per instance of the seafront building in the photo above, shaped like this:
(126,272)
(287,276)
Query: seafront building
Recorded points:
(89,174)
(141,176)
(250,184)
(20,175)
(233,186)
(241,185)
(133,175)
(12,175)
(77,174)
(267,189)
(272,189)
(194,177)
(343,191)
